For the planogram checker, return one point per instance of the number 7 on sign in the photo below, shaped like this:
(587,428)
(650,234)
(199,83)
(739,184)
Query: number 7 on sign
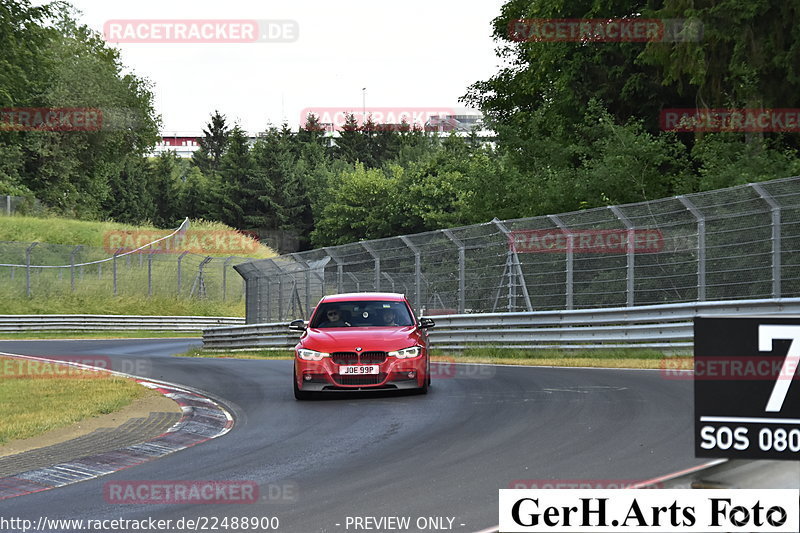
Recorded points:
(768,333)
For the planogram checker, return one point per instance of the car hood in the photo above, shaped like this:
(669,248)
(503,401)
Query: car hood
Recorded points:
(367,338)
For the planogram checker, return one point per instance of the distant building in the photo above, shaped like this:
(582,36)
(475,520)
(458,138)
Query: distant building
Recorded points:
(462,123)
(183,144)
(465,121)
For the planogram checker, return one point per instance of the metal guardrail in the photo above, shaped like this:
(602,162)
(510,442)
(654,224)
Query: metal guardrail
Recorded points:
(113,322)
(667,326)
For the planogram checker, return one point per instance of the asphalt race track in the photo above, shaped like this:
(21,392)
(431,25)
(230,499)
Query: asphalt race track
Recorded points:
(444,454)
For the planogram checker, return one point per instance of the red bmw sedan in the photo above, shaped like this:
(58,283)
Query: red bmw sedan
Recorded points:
(361,341)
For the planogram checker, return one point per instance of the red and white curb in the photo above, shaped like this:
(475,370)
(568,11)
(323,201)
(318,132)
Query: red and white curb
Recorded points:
(203,419)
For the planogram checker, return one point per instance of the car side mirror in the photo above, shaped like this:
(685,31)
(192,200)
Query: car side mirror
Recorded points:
(426,323)
(297,325)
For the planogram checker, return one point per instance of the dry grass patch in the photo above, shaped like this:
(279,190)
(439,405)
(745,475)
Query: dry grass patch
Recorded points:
(36,397)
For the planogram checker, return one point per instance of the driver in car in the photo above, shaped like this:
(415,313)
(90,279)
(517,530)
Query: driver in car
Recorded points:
(333,320)
(389,317)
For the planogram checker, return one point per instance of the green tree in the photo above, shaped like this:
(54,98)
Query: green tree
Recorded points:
(237,198)
(350,145)
(208,157)
(50,61)
(166,175)
(360,207)
(194,196)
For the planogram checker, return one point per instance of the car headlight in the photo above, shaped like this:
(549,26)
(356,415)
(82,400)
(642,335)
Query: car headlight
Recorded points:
(406,353)
(311,355)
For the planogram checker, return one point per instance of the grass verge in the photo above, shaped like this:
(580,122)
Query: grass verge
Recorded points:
(96,234)
(103,303)
(240,354)
(171,274)
(612,358)
(37,397)
(122,334)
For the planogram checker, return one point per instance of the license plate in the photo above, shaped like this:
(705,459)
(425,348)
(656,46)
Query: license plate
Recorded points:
(358,370)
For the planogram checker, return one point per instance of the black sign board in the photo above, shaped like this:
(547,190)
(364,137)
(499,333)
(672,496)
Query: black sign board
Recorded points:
(747,387)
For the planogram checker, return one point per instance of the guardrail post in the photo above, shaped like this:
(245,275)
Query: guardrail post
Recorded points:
(225,277)
(417,272)
(775,209)
(701,246)
(462,259)
(180,271)
(114,264)
(629,289)
(377,259)
(28,268)
(569,290)
(72,266)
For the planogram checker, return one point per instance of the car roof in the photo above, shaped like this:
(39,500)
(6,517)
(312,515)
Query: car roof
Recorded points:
(364,296)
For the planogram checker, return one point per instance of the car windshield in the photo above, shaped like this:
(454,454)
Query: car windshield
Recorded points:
(369,313)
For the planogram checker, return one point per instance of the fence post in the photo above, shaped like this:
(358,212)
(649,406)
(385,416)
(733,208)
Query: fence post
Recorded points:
(377,259)
(28,268)
(114,261)
(307,283)
(512,261)
(150,273)
(280,297)
(417,272)
(339,269)
(225,277)
(701,246)
(391,280)
(462,270)
(8,205)
(72,266)
(629,252)
(269,297)
(570,259)
(180,261)
(775,209)
(355,280)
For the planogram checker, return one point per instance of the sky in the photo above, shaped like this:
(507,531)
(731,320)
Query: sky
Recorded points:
(408,55)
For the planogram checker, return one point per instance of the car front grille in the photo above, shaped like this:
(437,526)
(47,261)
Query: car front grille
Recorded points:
(353,358)
(345,358)
(359,380)
(373,358)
